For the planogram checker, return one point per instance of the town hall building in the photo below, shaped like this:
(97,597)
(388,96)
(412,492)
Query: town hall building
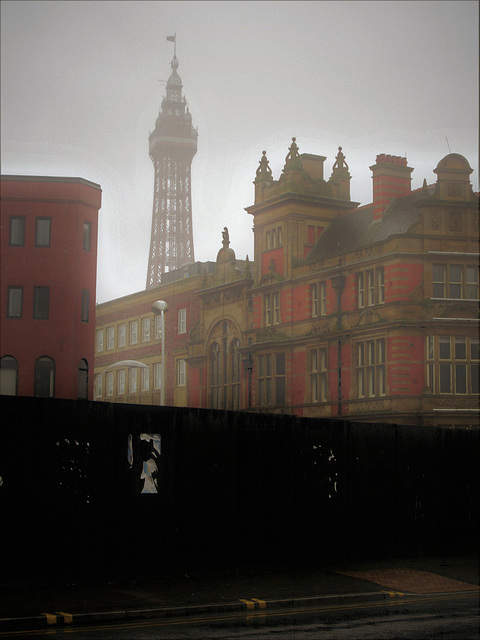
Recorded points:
(362,312)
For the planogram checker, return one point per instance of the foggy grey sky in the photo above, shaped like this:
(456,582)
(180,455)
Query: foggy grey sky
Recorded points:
(81,88)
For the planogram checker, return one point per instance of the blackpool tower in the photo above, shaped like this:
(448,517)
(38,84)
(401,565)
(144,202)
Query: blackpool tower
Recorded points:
(172,144)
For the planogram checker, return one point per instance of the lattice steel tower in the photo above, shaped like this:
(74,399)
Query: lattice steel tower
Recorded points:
(173,143)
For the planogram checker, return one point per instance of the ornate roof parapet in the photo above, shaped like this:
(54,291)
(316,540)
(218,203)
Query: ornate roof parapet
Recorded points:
(293,160)
(340,178)
(264,173)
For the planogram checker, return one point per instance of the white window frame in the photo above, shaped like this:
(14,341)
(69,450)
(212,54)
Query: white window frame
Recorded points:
(182,320)
(132,380)
(99,340)
(145,381)
(121,382)
(134,332)
(110,338)
(109,383)
(146,328)
(181,373)
(122,335)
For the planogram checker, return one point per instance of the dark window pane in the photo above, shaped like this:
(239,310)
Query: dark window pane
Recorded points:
(41,302)
(460,378)
(42,232)
(444,344)
(8,376)
(17,231)
(15,300)
(280,364)
(445,379)
(44,378)
(85,305)
(280,391)
(87,236)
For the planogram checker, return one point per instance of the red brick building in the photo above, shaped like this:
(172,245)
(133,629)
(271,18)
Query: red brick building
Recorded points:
(369,312)
(48,262)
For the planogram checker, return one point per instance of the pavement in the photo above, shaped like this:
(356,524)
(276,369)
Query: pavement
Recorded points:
(36,605)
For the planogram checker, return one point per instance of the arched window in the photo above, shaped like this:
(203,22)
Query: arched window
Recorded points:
(215,376)
(236,370)
(8,376)
(44,386)
(224,367)
(82,392)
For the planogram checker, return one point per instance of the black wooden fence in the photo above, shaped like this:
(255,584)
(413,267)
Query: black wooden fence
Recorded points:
(234,490)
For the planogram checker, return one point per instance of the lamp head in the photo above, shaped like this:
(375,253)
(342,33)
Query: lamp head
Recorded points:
(159,306)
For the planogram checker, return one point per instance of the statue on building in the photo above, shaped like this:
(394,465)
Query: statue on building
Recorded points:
(225,238)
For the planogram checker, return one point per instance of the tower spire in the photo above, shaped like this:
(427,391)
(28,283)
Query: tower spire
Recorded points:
(172,145)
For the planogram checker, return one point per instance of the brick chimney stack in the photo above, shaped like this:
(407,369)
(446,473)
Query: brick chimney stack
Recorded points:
(391,178)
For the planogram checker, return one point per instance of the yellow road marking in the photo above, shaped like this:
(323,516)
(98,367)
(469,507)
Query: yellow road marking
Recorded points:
(225,617)
(261,603)
(67,617)
(249,603)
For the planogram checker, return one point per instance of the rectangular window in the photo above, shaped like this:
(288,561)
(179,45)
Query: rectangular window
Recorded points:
(318,375)
(272,308)
(110,337)
(17,231)
(145,379)
(121,382)
(455,281)
(158,327)
(360,290)
(381,285)
(182,321)
(319,299)
(314,299)
(134,332)
(271,380)
(85,312)
(132,380)
(98,386)
(439,280)
(122,335)
(371,287)
(109,383)
(370,368)
(41,303)
(87,236)
(265,380)
(157,375)
(455,369)
(99,340)
(15,302)
(42,232)
(146,329)
(279,379)
(322,296)
(471,283)
(181,373)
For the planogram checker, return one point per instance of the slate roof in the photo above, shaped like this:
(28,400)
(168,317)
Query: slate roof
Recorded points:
(357,229)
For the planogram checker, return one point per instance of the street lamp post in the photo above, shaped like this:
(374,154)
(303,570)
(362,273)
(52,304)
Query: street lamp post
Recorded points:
(158,308)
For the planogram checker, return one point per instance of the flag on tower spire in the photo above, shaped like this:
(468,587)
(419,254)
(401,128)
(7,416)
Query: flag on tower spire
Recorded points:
(174,40)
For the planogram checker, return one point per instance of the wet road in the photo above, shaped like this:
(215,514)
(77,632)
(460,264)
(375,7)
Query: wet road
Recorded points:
(446,616)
